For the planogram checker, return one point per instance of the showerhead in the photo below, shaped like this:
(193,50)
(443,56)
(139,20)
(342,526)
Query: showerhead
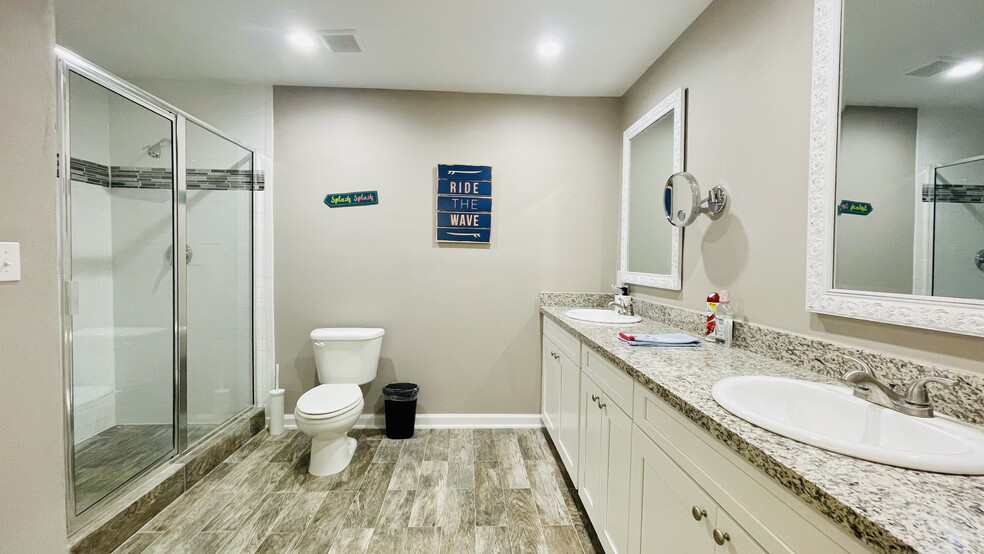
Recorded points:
(154,150)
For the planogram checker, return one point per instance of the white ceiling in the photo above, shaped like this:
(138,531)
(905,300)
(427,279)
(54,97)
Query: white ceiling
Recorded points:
(885,39)
(452,45)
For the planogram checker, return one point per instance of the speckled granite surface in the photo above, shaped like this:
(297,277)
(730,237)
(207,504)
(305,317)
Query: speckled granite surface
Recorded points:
(891,509)
(964,401)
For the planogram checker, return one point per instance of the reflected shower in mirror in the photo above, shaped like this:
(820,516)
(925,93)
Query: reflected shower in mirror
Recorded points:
(910,161)
(652,150)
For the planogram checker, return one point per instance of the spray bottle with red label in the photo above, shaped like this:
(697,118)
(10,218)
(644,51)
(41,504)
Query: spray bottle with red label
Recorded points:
(710,317)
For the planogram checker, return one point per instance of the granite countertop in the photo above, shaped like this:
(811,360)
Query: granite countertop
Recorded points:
(891,509)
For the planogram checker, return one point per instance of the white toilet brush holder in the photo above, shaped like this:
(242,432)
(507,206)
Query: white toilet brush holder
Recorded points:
(276,411)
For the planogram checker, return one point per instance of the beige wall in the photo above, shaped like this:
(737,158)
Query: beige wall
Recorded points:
(460,321)
(32,488)
(876,163)
(746,64)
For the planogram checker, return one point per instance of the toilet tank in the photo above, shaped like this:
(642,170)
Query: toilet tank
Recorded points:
(346,354)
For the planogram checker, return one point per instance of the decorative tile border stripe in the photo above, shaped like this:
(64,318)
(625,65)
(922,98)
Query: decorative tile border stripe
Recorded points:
(964,401)
(89,172)
(953,194)
(161,178)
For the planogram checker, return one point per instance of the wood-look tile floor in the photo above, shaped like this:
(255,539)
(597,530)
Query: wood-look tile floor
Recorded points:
(458,490)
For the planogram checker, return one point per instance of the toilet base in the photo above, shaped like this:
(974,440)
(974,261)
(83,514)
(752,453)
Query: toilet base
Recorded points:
(328,457)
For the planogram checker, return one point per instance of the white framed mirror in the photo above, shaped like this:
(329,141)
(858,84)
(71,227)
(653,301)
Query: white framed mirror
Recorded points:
(652,150)
(896,188)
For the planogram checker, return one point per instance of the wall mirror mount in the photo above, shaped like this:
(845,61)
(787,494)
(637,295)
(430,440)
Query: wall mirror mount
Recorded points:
(682,201)
(653,147)
(896,186)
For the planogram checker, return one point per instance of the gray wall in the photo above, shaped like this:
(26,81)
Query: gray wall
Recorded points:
(460,321)
(32,487)
(876,163)
(746,64)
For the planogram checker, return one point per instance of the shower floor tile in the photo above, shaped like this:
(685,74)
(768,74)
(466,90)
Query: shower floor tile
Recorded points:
(107,460)
(458,490)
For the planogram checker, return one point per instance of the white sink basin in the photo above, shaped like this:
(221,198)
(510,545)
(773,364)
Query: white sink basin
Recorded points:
(832,418)
(601,316)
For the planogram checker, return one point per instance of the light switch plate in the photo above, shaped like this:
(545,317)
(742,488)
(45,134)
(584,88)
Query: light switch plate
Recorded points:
(10,265)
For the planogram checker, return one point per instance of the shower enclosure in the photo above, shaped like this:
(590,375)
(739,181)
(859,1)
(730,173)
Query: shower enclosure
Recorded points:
(958,229)
(156,267)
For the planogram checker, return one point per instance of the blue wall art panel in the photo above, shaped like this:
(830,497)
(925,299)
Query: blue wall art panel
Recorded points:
(464,203)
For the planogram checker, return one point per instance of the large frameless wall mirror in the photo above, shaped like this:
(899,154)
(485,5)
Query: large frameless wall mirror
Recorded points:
(896,200)
(158,347)
(652,150)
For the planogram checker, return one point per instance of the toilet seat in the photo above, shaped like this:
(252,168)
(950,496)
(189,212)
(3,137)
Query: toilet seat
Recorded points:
(327,401)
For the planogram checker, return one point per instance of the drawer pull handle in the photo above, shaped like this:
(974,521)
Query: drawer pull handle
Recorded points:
(720,537)
(698,513)
(594,397)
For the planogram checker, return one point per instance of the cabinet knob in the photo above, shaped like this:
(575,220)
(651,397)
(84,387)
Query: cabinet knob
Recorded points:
(720,537)
(594,397)
(698,513)
(602,405)
(555,355)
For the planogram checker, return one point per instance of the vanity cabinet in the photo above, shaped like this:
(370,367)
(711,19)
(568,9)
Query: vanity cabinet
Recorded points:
(606,448)
(560,392)
(641,467)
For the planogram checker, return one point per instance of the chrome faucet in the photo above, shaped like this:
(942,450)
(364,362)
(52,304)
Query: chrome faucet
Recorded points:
(914,402)
(622,303)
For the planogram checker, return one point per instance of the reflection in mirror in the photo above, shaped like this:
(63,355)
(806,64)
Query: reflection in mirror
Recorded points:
(652,150)
(649,235)
(910,162)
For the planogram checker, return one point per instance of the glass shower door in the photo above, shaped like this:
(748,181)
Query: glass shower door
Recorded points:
(958,229)
(120,288)
(219,180)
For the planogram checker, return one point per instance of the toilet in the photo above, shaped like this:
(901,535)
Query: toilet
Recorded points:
(346,358)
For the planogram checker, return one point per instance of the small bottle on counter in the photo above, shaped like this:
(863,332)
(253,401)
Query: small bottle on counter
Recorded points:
(710,317)
(724,326)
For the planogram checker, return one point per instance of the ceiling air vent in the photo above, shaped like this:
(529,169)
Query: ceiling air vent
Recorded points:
(341,41)
(934,67)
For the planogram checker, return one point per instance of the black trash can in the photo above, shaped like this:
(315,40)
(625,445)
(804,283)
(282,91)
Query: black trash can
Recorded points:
(401,409)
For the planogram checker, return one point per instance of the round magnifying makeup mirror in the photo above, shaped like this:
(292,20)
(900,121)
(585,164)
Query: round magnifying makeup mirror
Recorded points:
(681,199)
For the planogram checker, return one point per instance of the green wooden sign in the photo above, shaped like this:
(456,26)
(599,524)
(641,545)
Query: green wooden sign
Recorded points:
(361,198)
(854,208)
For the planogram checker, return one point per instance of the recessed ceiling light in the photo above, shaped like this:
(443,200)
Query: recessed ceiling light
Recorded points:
(550,48)
(300,39)
(965,69)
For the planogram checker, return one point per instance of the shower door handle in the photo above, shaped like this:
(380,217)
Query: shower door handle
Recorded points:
(169,254)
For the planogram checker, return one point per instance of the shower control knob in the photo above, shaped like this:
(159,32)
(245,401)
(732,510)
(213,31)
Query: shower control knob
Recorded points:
(979,260)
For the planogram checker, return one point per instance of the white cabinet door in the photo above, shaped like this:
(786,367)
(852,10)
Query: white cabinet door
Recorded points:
(662,502)
(669,512)
(550,388)
(736,540)
(570,399)
(617,426)
(593,455)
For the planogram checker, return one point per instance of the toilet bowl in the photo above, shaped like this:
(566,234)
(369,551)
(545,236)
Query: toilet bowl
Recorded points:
(345,358)
(327,413)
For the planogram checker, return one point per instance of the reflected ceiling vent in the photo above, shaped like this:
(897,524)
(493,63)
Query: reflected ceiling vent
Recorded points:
(934,67)
(340,41)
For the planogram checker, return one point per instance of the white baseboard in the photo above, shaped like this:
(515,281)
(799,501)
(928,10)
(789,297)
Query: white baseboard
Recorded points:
(448,421)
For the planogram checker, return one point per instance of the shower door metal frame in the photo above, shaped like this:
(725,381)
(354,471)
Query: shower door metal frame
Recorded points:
(68,62)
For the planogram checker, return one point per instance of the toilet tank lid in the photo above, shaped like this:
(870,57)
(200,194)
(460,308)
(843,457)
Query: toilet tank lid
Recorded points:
(346,333)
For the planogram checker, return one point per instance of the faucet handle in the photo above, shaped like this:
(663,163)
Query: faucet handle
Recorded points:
(862,366)
(916,392)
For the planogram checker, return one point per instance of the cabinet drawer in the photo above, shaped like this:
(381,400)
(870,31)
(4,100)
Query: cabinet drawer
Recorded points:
(773,516)
(613,381)
(564,340)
